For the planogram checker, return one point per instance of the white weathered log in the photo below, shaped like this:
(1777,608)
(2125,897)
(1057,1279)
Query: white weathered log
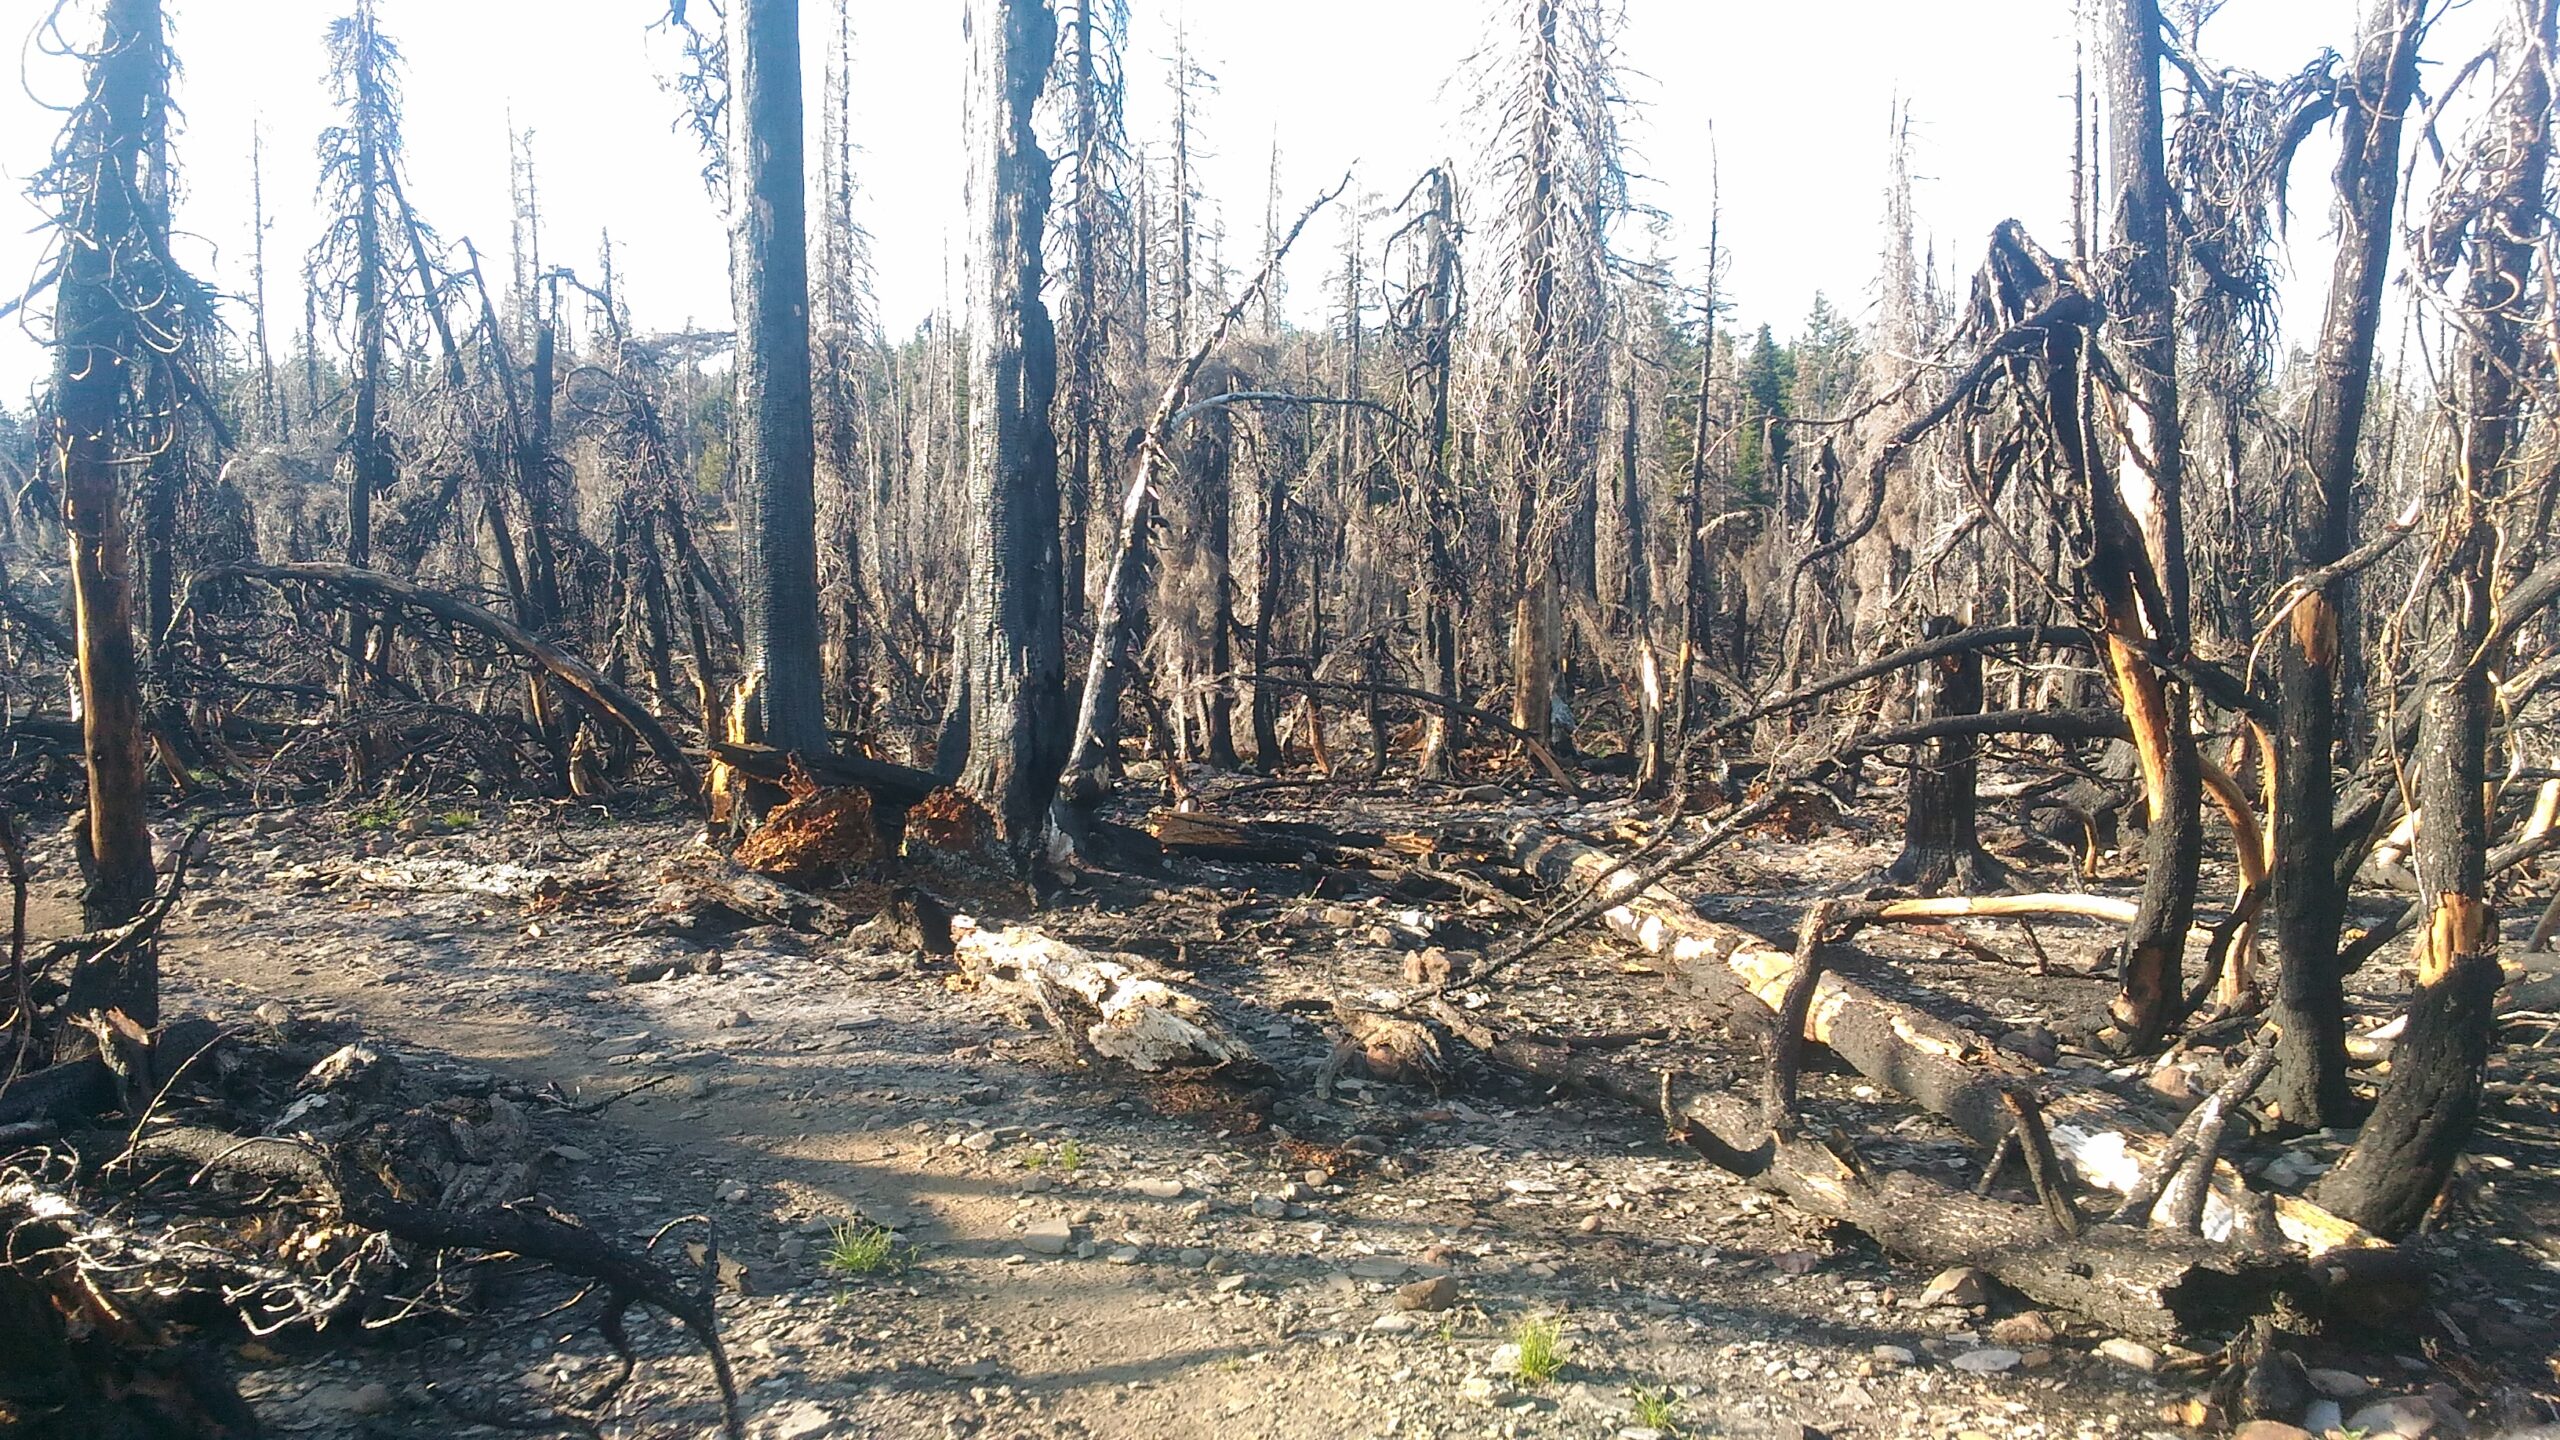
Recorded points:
(1949,1071)
(1117,1012)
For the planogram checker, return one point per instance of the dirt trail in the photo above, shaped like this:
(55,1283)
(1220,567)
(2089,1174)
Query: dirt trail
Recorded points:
(1207,1284)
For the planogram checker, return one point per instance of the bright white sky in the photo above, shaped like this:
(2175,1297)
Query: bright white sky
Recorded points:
(1796,96)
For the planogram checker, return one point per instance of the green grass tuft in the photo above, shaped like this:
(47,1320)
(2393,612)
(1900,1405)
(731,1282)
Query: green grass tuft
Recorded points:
(864,1249)
(1541,1342)
(1653,1410)
(384,812)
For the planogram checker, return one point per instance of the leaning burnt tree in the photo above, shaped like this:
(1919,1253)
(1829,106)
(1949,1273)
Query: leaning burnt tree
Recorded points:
(1005,736)
(773,429)
(2491,219)
(121,316)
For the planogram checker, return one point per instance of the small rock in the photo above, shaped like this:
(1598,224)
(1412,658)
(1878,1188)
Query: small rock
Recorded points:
(2131,1354)
(1298,1192)
(797,1420)
(2025,1330)
(1987,1362)
(1230,1284)
(2338,1384)
(734,1193)
(2033,1042)
(2292,1170)
(1270,1207)
(1395,1322)
(1167,1189)
(1123,1255)
(1961,1285)
(2411,1417)
(273,1015)
(2270,1430)
(1049,1237)
(570,1153)
(371,1398)
(1378,1267)
(1437,1293)
(2323,1416)
(979,1142)
(1894,1355)
(1483,1389)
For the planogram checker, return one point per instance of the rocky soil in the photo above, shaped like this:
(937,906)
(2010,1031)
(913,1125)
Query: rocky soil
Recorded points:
(1072,1254)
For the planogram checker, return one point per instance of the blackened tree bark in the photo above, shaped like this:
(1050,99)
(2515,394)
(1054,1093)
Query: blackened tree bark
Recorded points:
(2138,567)
(1208,472)
(2306,901)
(1097,214)
(356,160)
(772,426)
(1433,327)
(2407,1150)
(1696,608)
(1540,422)
(116,288)
(1007,738)
(1940,845)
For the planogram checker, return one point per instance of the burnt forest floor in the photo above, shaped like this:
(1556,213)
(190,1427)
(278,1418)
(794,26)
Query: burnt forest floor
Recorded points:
(1210,1279)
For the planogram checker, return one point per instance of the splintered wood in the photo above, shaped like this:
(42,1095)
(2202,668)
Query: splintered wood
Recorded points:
(1100,1008)
(1957,1075)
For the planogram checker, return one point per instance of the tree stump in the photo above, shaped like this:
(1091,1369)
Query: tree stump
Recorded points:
(1940,849)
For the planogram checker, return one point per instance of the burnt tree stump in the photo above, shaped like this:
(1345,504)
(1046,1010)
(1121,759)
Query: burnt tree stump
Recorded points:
(1940,848)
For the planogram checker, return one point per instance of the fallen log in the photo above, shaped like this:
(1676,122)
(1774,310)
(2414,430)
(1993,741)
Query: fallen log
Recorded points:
(1216,837)
(1952,1073)
(607,698)
(893,786)
(1102,1009)
(2136,1282)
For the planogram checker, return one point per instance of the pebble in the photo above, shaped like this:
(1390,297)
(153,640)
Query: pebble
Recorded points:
(2339,1384)
(1987,1362)
(1960,1285)
(1894,1355)
(2025,1331)
(371,1398)
(1270,1207)
(2270,1430)
(1049,1237)
(2411,1417)
(797,1420)
(1437,1293)
(1378,1267)
(1159,1189)
(2131,1354)
(2323,1416)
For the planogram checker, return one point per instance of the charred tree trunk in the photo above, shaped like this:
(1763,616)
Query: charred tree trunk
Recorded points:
(2306,901)
(1008,740)
(113,282)
(772,423)
(1940,847)
(2407,1149)
(1697,612)
(1209,463)
(1537,527)
(2138,565)
(368,448)
(1435,326)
